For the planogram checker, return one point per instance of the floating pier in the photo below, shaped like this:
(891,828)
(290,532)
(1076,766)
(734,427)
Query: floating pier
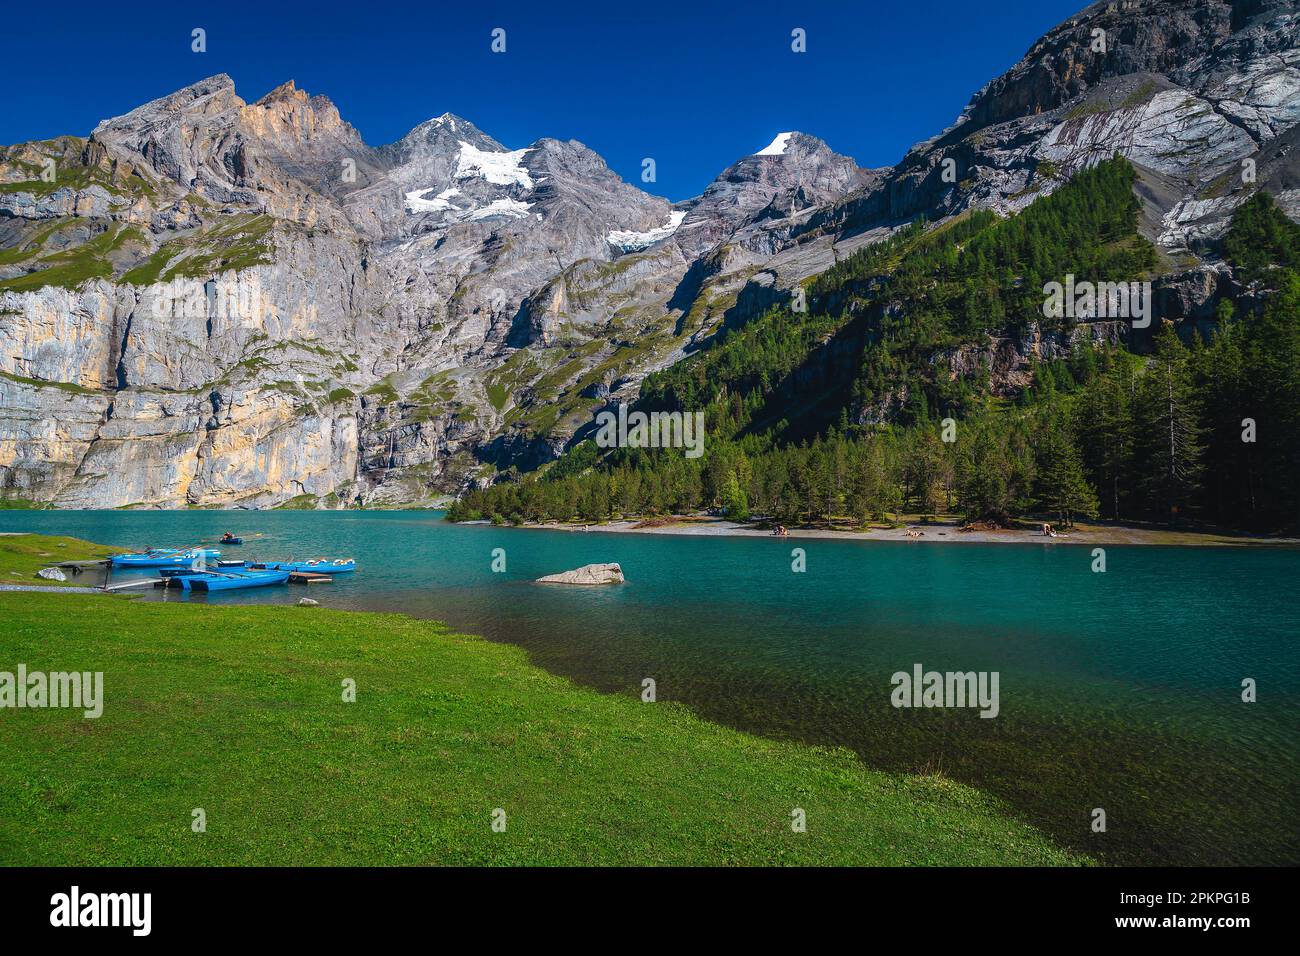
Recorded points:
(129,584)
(308,577)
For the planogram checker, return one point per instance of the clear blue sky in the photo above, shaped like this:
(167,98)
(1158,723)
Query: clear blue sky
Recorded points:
(695,85)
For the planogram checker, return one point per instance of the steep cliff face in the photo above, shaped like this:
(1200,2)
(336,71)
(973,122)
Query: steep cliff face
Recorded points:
(214,302)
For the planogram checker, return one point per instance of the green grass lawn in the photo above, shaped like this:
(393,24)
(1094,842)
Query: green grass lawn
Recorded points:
(239,711)
(22,555)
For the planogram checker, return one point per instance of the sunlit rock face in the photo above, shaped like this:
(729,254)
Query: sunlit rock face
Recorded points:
(1186,89)
(239,304)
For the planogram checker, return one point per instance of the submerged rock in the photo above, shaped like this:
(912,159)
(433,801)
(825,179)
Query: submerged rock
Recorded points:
(308,602)
(587,574)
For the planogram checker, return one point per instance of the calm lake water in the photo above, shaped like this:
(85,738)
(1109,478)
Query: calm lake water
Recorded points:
(1119,690)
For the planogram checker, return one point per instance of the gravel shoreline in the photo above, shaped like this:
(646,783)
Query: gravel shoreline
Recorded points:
(50,589)
(1091,535)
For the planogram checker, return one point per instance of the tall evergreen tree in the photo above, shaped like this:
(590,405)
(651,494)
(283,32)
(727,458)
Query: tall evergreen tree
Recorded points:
(1169,431)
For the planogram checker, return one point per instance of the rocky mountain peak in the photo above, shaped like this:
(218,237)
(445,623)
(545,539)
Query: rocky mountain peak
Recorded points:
(304,129)
(566,157)
(1109,38)
(186,137)
(793,146)
(282,154)
(793,173)
(442,135)
(287,90)
(209,96)
(1185,89)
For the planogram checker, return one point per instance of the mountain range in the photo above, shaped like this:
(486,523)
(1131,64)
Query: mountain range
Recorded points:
(214,302)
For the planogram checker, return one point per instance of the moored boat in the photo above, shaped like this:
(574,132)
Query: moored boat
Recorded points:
(231,580)
(172,576)
(163,558)
(319,566)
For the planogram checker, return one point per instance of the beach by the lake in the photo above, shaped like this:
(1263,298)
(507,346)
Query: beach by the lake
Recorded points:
(940,530)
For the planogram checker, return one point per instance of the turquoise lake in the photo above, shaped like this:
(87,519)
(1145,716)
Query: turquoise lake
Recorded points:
(1119,691)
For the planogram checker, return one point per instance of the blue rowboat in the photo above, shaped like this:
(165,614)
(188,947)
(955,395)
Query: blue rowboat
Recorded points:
(163,558)
(230,580)
(169,573)
(321,566)
(225,540)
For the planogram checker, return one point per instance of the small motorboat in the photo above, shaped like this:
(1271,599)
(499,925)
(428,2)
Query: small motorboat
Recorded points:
(164,558)
(319,566)
(231,580)
(230,539)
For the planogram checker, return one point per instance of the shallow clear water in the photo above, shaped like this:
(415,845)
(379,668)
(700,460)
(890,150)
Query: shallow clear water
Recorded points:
(1118,690)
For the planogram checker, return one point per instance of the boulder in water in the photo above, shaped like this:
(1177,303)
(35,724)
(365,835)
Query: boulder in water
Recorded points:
(587,574)
(51,574)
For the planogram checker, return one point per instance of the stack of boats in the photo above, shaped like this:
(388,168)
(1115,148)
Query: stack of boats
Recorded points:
(201,569)
(164,558)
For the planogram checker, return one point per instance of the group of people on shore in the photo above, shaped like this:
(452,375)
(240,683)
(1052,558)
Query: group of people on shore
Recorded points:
(780,531)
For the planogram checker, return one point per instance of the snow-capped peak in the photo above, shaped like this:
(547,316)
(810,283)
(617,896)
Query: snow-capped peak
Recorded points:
(501,169)
(777,146)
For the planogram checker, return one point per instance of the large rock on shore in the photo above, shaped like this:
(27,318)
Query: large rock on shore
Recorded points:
(587,574)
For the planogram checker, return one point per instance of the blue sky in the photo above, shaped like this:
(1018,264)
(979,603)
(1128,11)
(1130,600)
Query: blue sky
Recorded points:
(692,85)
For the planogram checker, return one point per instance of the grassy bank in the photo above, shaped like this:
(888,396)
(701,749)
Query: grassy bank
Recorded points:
(239,711)
(22,555)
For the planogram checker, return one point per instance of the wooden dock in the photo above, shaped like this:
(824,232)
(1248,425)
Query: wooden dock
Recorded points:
(308,577)
(129,584)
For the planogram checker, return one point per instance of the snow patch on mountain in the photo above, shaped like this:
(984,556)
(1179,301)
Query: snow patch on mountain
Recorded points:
(636,241)
(510,208)
(777,146)
(501,169)
(416,203)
